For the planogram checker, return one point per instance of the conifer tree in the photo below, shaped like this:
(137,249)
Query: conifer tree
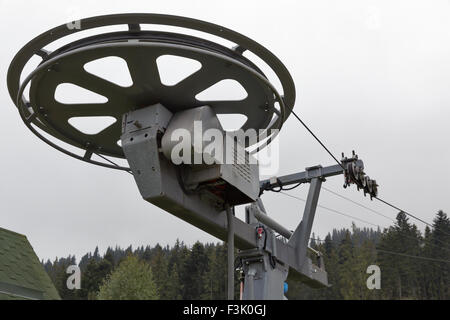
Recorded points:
(132,280)
(192,275)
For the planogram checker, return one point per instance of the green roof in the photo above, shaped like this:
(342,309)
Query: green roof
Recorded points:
(22,276)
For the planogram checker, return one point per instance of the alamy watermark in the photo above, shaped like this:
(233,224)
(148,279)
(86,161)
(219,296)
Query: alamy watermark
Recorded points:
(374,281)
(73,14)
(74,280)
(214,146)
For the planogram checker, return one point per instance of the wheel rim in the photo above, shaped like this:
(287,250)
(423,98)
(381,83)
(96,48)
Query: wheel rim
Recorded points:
(33,113)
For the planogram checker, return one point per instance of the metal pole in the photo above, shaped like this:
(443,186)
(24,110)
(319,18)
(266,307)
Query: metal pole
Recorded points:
(251,284)
(230,262)
(303,232)
(241,288)
(272,224)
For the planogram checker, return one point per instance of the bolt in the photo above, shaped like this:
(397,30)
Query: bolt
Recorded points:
(137,124)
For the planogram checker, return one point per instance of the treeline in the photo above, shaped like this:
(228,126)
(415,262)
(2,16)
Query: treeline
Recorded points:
(413,266)
(179,272)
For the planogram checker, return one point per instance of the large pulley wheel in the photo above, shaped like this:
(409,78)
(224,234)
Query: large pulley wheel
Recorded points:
(264,107)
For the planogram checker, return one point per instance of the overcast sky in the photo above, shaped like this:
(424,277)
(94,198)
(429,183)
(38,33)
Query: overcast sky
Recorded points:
(373,76)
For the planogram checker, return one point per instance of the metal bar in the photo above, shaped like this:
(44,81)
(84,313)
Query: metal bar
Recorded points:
(241,290)
(134,27)
(301,236)
(31,117)
(251,284)
(230,260)
(88,154)
(43,53)
(272,224)
(306,176)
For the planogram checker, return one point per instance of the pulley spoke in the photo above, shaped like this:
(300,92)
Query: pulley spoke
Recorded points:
(89,110)
(95,84)
(144,71)
(199,81)
(112,133)
(229,106)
